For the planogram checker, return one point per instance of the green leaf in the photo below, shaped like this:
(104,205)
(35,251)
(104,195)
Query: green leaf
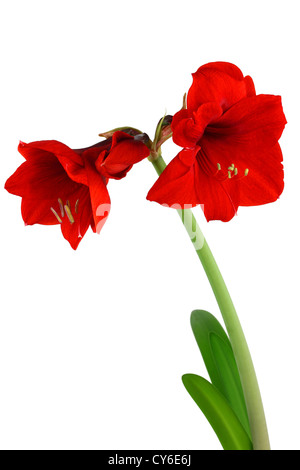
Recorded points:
(220,362)
(218,412)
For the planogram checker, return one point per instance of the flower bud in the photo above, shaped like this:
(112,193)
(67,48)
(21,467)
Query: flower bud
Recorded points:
(128,130)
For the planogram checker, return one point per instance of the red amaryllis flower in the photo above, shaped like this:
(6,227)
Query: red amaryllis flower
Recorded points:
(59,185)
(231,155)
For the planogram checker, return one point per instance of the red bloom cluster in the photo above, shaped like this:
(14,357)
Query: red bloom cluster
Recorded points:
(59,185)
(231,156)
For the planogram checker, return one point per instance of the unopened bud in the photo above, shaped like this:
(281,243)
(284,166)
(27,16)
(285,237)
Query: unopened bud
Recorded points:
(143,138)
(128,130)
(162,133)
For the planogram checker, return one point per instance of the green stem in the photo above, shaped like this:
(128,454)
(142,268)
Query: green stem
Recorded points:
(239,345)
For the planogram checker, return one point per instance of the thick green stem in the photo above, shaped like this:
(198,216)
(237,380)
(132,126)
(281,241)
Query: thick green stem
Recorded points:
(239,345)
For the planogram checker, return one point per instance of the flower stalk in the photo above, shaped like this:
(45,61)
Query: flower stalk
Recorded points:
(240,348)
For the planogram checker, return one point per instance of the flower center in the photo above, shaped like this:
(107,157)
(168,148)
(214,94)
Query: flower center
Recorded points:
(65,209)
(230,173)
(221,174)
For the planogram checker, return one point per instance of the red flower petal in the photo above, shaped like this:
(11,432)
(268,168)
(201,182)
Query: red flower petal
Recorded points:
(71,161)
(40,177)
(99,195)
(82,215)
(255,122)
(219,199)
(125,152)
(176,185)
(42,211)
(221,82)
(246,136)
(264,183)
(38,211)
(184,183)
(188,127)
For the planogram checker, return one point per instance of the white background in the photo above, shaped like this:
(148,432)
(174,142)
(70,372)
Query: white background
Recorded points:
(93,343)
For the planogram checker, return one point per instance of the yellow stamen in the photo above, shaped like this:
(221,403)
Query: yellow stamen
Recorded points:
(76,206)
(56,215)
(229,174)
(231,168)
(69,214)
(235,171)
(246,171)
(219,166)
(61,206)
